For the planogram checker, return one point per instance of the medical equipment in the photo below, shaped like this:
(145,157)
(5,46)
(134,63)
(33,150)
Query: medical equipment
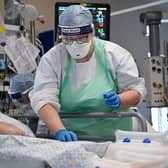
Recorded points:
(133,114)
(2,43)
(22,38)
(30,13)
(21,50)
(121,115)
(156,66)
(2,32)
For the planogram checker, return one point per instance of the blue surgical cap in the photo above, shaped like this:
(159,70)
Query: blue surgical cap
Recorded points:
(75,19)
(21,82)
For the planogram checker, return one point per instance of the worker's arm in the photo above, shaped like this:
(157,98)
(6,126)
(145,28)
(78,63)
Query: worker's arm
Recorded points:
(50,116)
(10,129)
(45,94)
(129,98)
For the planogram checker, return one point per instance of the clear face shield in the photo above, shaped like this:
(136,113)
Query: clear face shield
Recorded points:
(76,40)
(80,39)
(21,100)
(21,96)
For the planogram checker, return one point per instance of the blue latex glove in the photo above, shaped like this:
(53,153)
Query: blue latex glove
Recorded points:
(65,135)
(112,100)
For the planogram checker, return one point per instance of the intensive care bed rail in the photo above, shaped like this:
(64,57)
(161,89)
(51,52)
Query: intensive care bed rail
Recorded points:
(105,115)
(90,115)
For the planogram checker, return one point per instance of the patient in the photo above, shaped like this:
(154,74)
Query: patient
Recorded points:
(21,85)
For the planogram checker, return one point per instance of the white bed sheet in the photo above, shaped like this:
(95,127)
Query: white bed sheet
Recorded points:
(83,154)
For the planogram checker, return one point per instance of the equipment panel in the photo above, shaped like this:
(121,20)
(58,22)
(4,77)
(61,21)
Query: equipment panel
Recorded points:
(154,81)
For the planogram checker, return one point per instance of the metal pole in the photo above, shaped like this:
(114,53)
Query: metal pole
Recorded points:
(32,32)
(154,40)
(153,20)
(107,115)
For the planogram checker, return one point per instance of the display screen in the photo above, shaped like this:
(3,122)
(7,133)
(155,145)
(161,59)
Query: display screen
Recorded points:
(101,17)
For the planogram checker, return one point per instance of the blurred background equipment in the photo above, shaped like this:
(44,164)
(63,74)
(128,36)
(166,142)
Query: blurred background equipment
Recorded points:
(47,39)
(101,17)
(156,70)
(20,52)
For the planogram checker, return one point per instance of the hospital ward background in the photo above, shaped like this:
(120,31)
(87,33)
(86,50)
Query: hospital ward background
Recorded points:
(31,31)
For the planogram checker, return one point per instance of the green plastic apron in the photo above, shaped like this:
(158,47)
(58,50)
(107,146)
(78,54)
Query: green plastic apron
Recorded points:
(89,98)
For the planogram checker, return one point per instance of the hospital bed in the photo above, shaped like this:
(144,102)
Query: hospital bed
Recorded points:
(10,163)
(140,121)
(89,154)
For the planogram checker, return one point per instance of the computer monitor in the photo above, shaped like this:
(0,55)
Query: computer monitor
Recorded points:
(101,17)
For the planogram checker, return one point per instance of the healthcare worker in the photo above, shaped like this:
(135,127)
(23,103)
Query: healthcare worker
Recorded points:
(20,86)
(85,74)
(18,91)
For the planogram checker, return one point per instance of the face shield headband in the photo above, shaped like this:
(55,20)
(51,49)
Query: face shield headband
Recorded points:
(73,31)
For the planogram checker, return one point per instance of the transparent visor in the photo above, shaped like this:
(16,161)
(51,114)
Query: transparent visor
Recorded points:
(72,33)
(80,39)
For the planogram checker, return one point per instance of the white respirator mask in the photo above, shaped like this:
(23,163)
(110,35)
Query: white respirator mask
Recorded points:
(78,51)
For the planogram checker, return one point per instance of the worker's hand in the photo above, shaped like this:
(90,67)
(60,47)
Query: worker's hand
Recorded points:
(112,100)
(65,135)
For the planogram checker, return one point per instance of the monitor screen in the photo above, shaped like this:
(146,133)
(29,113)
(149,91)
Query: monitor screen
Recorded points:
(101,17)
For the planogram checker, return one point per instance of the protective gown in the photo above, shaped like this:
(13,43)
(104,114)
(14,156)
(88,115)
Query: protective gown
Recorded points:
(79,87)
